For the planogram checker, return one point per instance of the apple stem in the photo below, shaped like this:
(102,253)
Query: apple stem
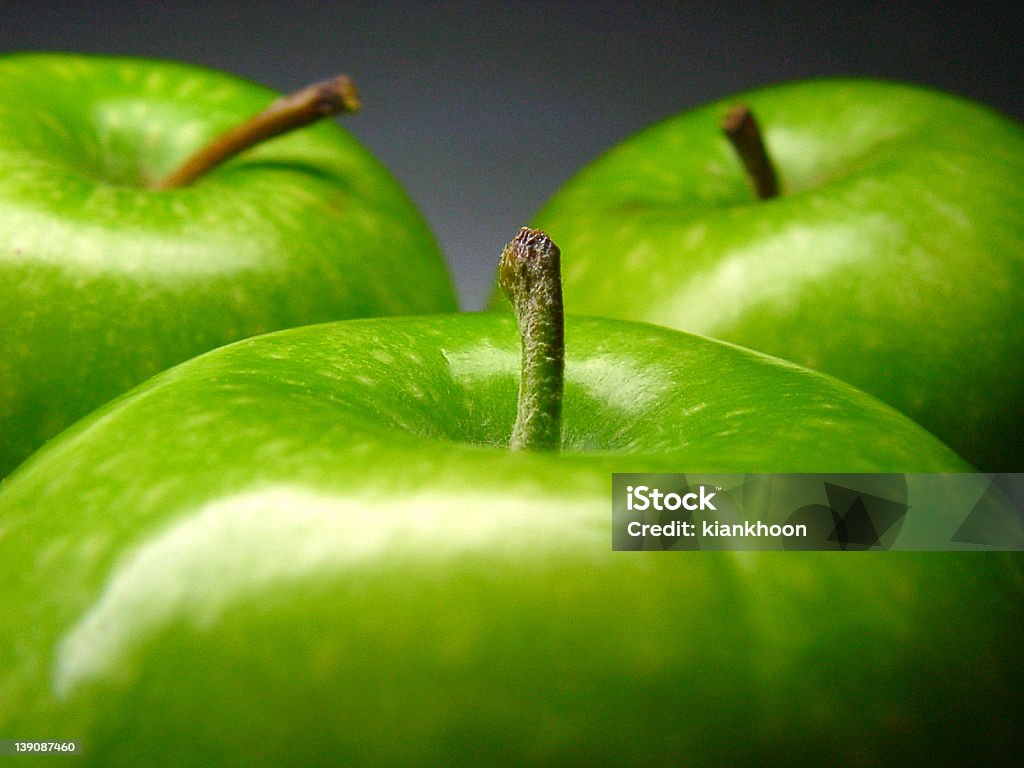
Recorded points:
(530,275)
(744,134)
(288,113)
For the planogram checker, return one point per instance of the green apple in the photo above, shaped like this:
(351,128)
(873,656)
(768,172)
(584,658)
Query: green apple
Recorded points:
(314,548)
(105,280)
(893,258)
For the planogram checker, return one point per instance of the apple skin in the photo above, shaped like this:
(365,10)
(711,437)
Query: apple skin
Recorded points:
(103,282)
(311,548)
(893,260)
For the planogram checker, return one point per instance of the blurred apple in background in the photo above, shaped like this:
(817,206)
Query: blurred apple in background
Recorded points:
(105,280)
(893,257)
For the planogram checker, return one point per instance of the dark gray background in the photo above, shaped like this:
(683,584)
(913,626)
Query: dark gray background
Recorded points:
(483,109)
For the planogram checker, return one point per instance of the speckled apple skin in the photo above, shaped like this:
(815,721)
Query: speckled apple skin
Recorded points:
(312,548)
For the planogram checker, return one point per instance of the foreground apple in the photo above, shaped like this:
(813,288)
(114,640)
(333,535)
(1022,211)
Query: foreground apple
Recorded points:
(314,548)
(893,258)
(105,280)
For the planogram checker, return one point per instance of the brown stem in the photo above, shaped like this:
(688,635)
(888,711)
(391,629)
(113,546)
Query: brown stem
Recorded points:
(743,133)
(296,110)
(530,275)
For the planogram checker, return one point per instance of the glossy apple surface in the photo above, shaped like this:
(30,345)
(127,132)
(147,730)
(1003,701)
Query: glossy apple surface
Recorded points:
(104,282)
(312,548)
(894,258)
